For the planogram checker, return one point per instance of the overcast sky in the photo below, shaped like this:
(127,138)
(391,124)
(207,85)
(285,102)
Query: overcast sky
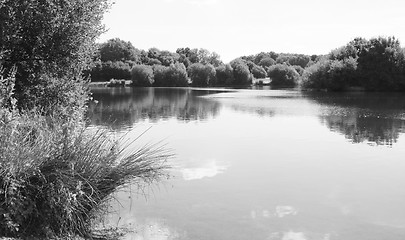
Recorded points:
(233,28)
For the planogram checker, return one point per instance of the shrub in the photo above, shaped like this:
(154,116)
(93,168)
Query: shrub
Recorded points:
(173,76)
(202,75)
(267,62)
(55,184)
(142,75)
(333,75)
(241,72)
(104,71)
(282,75)
(224,75)
(258,72)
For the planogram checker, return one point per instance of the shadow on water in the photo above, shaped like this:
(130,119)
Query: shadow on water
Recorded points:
(121,107)
(375,118)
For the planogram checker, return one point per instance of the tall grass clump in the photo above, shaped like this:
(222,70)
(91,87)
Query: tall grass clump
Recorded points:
(54,184)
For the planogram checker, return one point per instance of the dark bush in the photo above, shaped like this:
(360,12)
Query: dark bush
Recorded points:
(142,75)
(224,75)
(282,75)
(104,71)
(333,75)
(201,75)
(258,72)
(241,73)
(173,76)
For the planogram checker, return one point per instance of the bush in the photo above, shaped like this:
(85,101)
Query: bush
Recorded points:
(224,75)
(142,75)
(202,75)
(377,64)
(282,75)
(267,62)
(241,72)
(55,184)
(333,75)
(173,76)
(104,71)
(258,72)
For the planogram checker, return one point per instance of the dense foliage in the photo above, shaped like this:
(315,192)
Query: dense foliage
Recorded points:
(224,75)
(48,40)
(202,75)
(173,76)
(241,73)
(142,75)
(282,75)
(377,64)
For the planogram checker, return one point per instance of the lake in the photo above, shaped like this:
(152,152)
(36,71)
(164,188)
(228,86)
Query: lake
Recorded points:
(263,164)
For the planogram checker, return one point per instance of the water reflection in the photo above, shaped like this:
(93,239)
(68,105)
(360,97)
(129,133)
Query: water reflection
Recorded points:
(376,118)
(284,176)
(121,107)
(209,168)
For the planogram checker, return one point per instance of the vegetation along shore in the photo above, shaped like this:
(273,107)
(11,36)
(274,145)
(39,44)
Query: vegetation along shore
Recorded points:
(377,64)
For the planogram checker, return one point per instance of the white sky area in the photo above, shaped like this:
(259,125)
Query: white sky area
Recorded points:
(233,28)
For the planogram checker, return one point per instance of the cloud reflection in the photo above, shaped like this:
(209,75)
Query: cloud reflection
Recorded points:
(209,169)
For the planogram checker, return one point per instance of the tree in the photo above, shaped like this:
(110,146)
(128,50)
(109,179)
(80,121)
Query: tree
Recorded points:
(201,75)
(241,72)
(377,64)
(381,65)
(267,62)
(142,75)
(283,75)
(258,72)
(50,43)
(173,76)
(224,75)
(118,50)
(105,71)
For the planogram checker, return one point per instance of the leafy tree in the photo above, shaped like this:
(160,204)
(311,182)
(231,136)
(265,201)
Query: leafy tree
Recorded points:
(159,72)
(299,69)
(202,75)
(173,76)
(50,43)
(118,50)
(241,72)
(104,71)
(266,62)
(294,59)
(167,58)
(381,65)
(333,75)
(177,75)
(377,64)
(283,75)
(142,75)
(224,75)
(258,72)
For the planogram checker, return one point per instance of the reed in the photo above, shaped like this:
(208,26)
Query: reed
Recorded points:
(54,183)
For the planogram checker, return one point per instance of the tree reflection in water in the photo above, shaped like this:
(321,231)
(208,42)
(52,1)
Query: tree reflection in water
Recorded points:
(121,107)
(376,118)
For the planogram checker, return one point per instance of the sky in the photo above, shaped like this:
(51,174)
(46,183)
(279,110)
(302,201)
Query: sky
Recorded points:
(233,28)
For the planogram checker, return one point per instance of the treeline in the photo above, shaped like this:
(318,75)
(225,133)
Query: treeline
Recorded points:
(118,59)
(377,64)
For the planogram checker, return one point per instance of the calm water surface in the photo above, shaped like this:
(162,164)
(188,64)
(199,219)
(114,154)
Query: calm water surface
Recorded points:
(264,164)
